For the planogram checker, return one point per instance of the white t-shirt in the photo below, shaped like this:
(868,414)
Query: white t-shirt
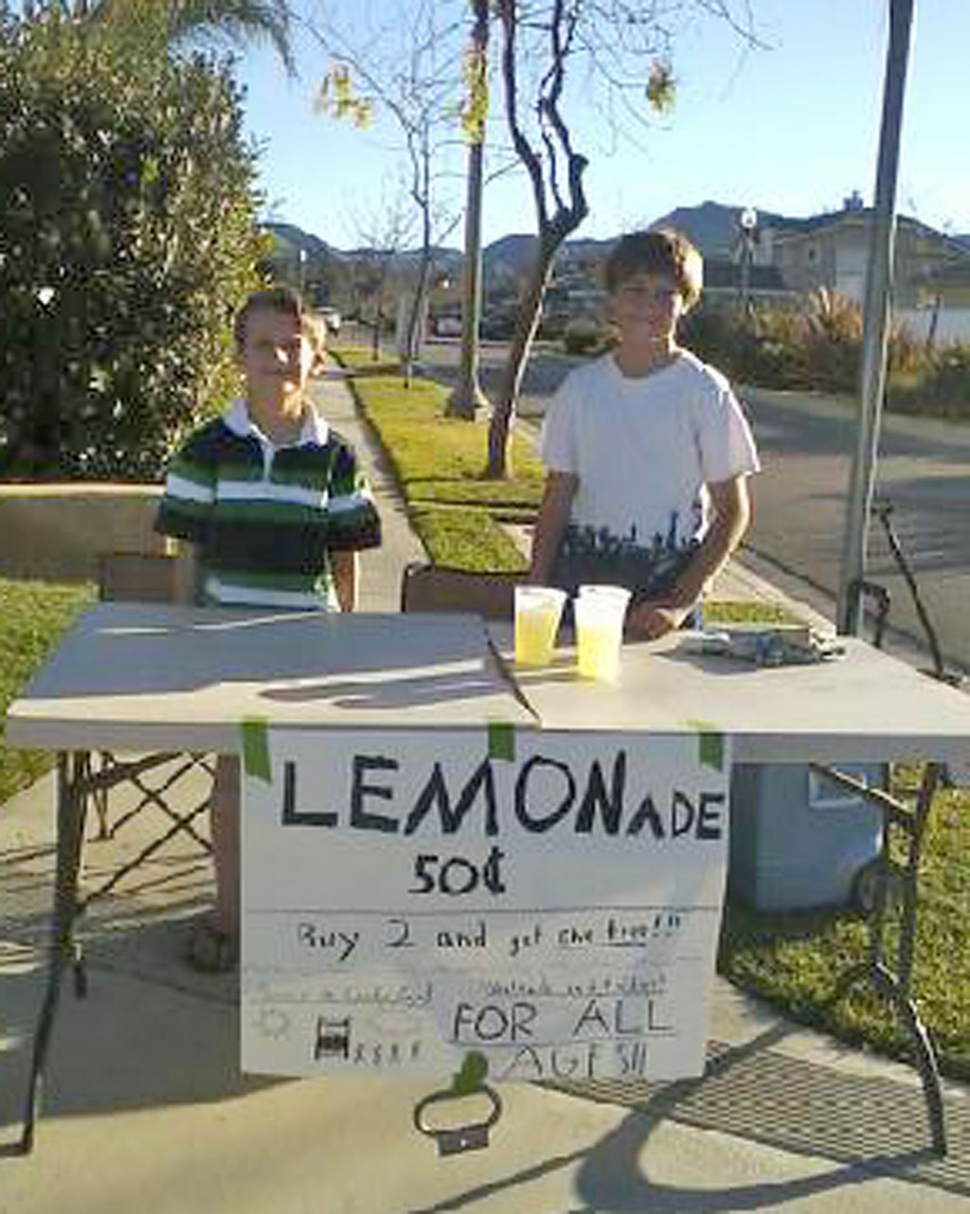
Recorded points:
(643,450)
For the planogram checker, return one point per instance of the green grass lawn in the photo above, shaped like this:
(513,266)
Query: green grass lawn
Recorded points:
(788,959)
(791,959)
(438,462)
(34,615)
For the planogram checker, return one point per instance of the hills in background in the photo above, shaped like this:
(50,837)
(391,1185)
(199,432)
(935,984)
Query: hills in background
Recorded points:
(711,226)
(293,238)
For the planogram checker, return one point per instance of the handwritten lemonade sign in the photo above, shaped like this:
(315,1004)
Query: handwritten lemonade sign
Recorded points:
(549,900)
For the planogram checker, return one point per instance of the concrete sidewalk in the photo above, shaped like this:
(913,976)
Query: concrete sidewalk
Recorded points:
(145,1106)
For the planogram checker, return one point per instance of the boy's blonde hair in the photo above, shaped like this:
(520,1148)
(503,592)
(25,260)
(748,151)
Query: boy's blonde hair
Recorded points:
(279,299)
(657,251)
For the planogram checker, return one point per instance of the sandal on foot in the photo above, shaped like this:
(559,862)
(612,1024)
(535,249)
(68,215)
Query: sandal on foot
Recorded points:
(212,951)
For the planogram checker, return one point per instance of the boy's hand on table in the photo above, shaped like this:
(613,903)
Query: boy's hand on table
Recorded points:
(652,618)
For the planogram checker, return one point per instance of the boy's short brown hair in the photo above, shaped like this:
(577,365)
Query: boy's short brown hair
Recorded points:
(657,251)
(278,299)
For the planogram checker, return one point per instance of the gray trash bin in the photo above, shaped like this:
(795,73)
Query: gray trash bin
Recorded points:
(798,840)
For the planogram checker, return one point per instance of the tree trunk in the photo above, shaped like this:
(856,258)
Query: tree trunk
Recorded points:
(530,310)
(468,398)
(416,311)
(556,176)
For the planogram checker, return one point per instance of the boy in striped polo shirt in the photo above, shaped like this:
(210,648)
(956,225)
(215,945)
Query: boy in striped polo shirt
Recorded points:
(275,510)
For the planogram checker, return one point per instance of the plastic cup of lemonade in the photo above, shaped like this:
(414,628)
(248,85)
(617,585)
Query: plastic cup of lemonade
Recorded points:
(599,613)
(537,613)
(612,594)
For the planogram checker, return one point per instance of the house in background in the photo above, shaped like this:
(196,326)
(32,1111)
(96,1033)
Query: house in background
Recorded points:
(931,271)
(788,257)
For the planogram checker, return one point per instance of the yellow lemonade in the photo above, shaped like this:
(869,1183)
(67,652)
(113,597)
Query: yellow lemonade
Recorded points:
(598,639)
(535,634)
(599,652)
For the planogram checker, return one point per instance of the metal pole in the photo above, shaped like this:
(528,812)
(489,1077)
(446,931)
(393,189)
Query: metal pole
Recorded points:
(875,323)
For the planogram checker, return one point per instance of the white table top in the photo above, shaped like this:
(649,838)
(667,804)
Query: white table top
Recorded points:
(142,677)
(863,707)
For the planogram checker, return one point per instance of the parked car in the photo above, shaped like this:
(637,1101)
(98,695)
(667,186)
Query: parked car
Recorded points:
(448,326)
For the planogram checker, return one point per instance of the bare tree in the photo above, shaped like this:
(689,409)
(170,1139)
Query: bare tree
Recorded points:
(383,232)
(555,55)
(410,68)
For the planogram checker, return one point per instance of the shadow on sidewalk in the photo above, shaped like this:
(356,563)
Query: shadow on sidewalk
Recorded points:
(150,1031)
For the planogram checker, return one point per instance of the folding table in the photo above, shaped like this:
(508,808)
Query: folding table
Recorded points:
(863,707)
(144,678)
(139,677)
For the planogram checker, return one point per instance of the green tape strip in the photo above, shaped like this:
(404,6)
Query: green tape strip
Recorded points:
(255,748)
(469,1079)
(710,743)
(501,740)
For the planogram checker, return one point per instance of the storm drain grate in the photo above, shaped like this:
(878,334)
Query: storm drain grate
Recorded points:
(772,1098)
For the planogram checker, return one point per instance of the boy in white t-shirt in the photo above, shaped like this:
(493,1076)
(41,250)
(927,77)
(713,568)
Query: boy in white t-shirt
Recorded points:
(646,450)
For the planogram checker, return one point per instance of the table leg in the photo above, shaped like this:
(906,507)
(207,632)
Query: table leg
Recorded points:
(917,828)
(896,986)
(72,772)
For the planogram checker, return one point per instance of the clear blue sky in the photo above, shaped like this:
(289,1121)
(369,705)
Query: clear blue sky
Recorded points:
(792,129)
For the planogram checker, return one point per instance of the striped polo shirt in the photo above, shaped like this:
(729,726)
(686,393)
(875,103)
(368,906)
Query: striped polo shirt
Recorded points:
(264,517)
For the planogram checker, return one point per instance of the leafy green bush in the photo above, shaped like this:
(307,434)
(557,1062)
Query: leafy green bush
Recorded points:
(584,335)
(745,347)
(950,376)
(817,345)
(589,335)
(127,237)
(940,386)
(832,328)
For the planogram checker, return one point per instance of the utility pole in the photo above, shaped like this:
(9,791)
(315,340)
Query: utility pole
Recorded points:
(468,398)
(875,322)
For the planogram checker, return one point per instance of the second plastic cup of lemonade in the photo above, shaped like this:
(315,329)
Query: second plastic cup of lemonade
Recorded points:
(537,613)
(600,612)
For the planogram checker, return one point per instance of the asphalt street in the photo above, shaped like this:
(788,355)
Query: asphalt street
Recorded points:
(923,471)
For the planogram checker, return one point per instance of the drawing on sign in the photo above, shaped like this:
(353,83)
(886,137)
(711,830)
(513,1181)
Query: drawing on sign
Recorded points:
(333,1038)
(409,896)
